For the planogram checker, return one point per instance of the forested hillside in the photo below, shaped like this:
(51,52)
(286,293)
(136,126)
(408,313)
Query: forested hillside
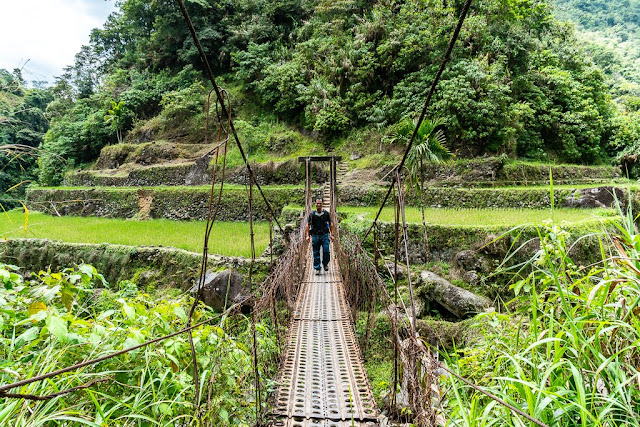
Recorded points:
(520,82)
(609,30)
(23,123)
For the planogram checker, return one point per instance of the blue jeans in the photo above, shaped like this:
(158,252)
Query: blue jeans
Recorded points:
(318,240)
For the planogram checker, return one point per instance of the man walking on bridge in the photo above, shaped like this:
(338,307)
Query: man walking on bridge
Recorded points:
(320,230)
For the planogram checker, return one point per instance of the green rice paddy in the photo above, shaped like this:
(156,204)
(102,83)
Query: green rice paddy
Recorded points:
(486,217)
(227,238)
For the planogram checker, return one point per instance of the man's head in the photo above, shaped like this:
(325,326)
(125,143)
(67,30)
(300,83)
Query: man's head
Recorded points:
(319,205)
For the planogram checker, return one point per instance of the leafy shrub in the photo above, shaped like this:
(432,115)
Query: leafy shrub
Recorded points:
(182,104)
(58,319)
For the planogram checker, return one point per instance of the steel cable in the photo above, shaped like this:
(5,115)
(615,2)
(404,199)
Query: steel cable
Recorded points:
(211,76)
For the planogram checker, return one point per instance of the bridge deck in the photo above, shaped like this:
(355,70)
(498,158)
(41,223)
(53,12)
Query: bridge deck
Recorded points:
(323,381)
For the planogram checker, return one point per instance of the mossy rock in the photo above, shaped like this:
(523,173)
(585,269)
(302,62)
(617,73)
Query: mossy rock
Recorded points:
(149,267)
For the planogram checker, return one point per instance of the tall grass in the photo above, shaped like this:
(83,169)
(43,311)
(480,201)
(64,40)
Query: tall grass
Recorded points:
(567,351)
(227,238)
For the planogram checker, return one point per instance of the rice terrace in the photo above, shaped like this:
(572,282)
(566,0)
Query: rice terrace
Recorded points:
(321,213)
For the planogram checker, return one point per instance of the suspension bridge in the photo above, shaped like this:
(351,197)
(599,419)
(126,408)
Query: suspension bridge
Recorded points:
(322,379)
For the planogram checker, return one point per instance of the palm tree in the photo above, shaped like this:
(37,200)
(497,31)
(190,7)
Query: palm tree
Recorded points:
(428,147)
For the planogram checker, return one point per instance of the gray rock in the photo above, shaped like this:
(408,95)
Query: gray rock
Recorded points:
(466,260)
(389,266)
(599,197)
(199,174)
(227,285)
(471,277)
(459,302)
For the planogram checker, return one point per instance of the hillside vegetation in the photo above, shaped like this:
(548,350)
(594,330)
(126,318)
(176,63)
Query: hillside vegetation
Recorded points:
(22,125)
(343,74)
(609,30)
(612,28)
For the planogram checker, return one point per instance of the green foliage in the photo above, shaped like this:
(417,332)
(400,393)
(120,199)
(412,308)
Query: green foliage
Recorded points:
(149,386)
(566,352)
(116,117)
(22,123)
(79,129)
(428,146)
(519,81)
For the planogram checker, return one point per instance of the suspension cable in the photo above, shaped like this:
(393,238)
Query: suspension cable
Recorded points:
(211,76)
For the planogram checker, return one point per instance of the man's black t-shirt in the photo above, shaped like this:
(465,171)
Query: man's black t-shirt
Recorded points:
(319,222)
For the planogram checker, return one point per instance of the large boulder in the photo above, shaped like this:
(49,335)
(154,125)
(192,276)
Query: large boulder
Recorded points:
(598,197)
(221,286)
(459,302)
(467,260)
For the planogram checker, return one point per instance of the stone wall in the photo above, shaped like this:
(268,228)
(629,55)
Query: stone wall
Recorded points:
(196,173)
(190,203)
(147,266)
(493,171)
(165,202)
(483,198)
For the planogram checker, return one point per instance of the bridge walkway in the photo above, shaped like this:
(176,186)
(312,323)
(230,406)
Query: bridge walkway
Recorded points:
(323,381)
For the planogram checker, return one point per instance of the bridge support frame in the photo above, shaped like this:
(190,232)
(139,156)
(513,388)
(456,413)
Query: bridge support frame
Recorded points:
(333,161)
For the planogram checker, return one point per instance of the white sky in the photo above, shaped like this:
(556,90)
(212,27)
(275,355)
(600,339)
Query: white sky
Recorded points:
(48,33)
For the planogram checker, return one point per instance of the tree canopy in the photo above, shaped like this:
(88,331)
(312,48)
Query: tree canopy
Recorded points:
(520,81)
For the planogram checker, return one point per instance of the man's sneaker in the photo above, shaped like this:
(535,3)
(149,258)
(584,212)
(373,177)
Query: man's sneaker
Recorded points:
(326,268)
(317,271)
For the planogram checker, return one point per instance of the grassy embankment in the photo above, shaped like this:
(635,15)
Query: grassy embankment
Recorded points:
(227,238)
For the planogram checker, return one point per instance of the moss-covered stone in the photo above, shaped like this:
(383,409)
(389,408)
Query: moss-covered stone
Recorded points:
(477,198)
(147,266)
(185,172)
(492,171)
(173,174)
(182,203)
(481,250)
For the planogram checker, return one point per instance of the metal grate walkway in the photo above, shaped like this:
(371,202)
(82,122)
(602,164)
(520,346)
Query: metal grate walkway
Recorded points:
(323,381)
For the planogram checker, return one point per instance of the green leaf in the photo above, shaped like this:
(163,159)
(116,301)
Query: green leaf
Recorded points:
(67,299)
(87,269)
(129,342)
(57,327)
(180,313)
(137,335)
(164,408)
(105,314)
(27,336)
(129,311)
(51,293)
(204,3)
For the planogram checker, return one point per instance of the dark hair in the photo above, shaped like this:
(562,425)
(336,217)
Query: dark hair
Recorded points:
(318,198)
